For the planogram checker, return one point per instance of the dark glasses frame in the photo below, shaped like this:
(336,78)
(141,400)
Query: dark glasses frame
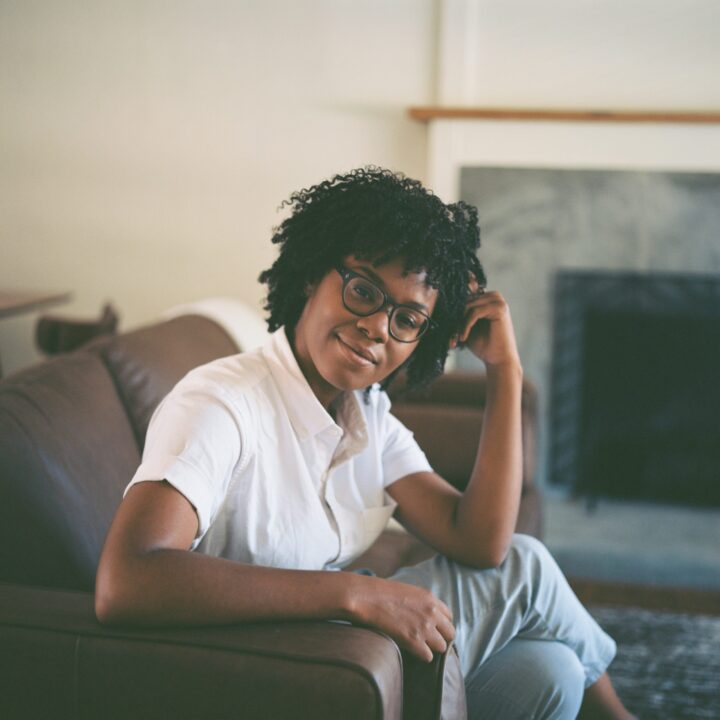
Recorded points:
(347,275)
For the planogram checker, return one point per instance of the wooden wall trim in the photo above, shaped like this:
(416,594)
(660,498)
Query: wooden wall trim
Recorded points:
(428,113)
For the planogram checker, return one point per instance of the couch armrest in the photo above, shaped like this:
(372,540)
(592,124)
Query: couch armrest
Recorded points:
(60,662)
(434,690)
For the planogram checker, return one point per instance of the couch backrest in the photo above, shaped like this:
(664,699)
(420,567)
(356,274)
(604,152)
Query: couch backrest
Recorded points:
(447,417)
(147,363)
(71,432)
(66,453)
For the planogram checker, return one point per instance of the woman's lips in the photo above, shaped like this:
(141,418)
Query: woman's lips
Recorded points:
(353,356)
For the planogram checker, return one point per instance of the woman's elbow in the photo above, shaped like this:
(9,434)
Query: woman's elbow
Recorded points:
(112,603)
(109,608)
(106,610)
(497,557)
(489,556)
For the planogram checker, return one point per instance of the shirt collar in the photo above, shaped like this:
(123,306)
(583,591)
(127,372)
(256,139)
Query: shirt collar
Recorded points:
(307,415)
(350,417)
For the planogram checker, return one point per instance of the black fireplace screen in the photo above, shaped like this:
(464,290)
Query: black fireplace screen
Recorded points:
(636,386)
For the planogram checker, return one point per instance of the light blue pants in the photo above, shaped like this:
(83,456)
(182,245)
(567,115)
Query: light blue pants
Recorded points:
(527,646)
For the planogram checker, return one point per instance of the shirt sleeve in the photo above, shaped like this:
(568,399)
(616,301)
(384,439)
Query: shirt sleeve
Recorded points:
(401,454)
(195,442)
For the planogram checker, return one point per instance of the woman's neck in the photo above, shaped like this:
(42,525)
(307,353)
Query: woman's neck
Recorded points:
(326,394)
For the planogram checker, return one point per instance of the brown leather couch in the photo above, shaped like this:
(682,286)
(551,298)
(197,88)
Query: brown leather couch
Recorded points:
(71,435)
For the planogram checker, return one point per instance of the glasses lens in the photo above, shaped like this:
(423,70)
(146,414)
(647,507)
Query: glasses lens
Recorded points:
(407,324)
(362,297)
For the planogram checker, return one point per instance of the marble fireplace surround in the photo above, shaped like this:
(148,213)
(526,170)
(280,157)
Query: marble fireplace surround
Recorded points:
(571,195)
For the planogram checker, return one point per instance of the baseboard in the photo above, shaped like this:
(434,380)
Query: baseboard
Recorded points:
(651,597)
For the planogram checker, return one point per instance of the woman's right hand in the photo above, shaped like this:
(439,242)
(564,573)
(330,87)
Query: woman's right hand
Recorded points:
(412,616)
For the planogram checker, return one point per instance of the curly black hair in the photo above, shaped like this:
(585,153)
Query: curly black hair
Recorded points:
(378,215)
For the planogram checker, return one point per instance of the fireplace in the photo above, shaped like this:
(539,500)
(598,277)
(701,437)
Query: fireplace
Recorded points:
(635,391)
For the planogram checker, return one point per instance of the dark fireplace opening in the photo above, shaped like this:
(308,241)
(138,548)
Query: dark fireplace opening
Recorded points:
(636,386)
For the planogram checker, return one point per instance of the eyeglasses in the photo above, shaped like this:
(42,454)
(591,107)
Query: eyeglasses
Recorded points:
(362,297)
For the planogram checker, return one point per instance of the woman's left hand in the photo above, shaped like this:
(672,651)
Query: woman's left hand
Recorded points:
(488,331)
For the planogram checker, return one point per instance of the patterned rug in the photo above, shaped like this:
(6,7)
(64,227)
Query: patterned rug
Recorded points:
(668,664)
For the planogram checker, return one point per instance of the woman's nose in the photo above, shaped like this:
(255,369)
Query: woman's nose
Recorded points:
(376,326)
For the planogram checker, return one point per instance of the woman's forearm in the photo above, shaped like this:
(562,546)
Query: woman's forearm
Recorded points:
(487,511)
(171,587)
(179,587)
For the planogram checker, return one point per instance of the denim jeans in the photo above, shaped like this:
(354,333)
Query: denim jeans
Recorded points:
(527,646)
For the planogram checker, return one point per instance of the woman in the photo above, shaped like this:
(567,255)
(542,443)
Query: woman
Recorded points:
(277,465)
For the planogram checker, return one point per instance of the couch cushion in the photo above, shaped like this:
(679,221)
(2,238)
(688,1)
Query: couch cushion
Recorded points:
(66,453)
(147,363)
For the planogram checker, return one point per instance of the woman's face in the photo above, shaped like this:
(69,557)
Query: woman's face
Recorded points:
(338,350)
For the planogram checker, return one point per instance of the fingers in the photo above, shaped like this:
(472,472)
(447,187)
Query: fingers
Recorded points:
(436,642)
(474,286)
(413,616)
(489,306)
(471,320)
(431,640)
(436,633)
(484,296)
(481,304)
(424,652)
(485,299)
(440,618)
(447,630)
(442,608)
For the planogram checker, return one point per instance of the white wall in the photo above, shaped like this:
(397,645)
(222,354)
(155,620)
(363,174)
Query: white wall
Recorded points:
(145,146)
(634,54)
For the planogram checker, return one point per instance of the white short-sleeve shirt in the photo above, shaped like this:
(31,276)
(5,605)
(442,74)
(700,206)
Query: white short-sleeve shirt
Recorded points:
(274,480)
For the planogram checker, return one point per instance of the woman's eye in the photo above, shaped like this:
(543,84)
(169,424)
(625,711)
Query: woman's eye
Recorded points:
(407,320)
(363,292)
